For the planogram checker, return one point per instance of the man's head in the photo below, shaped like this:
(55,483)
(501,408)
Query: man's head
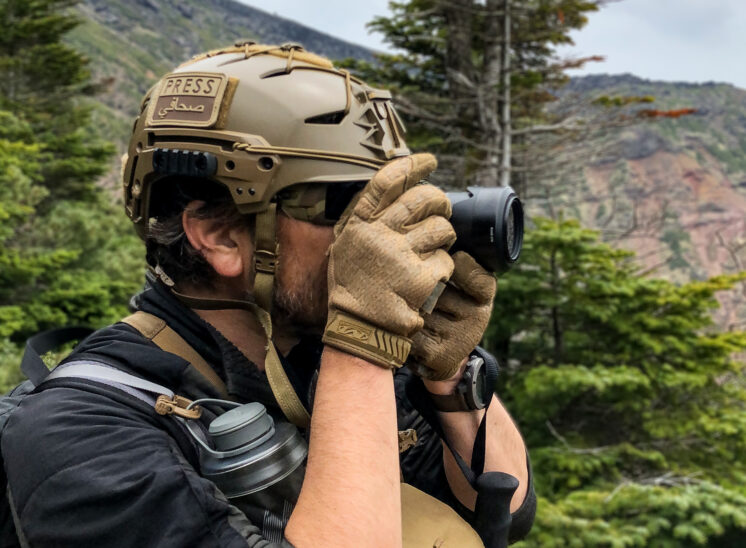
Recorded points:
(245,148)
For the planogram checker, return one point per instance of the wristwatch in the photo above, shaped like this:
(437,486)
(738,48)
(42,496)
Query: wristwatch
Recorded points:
(475,389)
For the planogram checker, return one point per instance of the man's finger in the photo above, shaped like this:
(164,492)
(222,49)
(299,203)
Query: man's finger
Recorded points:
(430,234)
(439,265)
(416,204)
(472,279)
(452,305)
(391,181)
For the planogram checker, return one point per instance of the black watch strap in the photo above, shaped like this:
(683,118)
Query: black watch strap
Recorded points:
(450,402)
(465,396)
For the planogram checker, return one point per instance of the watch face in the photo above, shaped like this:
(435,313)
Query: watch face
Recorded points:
(477,383)
(481,389)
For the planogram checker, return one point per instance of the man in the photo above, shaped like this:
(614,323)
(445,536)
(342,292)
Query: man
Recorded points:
(293,250)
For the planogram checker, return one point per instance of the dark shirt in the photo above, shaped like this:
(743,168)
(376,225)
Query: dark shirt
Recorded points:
(88,465)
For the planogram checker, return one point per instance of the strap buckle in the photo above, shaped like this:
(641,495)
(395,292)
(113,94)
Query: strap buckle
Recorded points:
(177,406)
(265,261)
(407,439)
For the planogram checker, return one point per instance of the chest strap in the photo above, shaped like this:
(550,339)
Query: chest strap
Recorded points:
(156,330)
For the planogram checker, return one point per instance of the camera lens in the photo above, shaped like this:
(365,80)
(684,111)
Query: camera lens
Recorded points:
(489,225)
(510,233)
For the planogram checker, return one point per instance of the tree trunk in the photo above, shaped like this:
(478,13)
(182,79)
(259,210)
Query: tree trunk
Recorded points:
(489,95)
(505,120)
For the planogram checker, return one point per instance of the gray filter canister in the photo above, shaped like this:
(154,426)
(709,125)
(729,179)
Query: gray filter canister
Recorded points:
(251,453)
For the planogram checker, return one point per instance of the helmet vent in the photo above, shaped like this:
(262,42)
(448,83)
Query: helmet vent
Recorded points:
(328,118)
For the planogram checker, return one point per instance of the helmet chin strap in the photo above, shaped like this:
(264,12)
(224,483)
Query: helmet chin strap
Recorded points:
(265,256)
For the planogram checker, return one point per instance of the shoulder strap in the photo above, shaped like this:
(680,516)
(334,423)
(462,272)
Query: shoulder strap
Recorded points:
(95,371)
(32,365)
(156,330)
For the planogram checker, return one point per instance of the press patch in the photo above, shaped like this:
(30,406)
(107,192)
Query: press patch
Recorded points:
(191,99)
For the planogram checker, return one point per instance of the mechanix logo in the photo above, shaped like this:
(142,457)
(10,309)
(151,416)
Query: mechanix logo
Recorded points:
(188,99)
(353,331)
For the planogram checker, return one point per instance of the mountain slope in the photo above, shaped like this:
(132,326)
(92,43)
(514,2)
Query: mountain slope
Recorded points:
(673,190)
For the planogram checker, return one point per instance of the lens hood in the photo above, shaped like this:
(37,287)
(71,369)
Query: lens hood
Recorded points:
(489,226)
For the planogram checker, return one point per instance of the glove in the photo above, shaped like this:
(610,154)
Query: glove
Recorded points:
(457,323)
(388,256)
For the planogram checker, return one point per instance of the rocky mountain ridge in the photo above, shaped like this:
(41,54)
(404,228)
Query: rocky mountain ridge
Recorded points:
(673,190)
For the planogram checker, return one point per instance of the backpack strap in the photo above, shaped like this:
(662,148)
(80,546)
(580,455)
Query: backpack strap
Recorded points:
(32,364)
(156,330)
(143,390)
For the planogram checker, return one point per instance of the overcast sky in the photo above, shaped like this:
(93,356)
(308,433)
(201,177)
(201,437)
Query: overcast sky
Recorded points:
(687,40)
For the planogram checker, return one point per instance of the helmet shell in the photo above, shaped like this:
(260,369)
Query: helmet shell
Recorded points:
(258,119)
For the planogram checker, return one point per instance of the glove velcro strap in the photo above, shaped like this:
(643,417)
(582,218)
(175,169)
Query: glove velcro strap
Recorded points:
(366,341)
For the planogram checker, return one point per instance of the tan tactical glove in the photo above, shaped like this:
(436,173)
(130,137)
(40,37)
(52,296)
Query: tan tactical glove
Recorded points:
(388,256)
(457,323)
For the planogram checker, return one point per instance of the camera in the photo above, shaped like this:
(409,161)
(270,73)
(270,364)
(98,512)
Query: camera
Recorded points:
(489,226)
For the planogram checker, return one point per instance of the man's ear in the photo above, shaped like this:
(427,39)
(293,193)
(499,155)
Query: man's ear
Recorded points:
(219,243)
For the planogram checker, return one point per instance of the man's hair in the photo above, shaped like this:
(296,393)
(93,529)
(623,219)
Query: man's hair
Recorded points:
(167,245)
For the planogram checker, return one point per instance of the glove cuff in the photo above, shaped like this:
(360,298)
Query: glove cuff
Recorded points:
(359,338)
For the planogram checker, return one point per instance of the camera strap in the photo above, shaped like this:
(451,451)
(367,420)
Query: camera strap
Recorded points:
(417,394)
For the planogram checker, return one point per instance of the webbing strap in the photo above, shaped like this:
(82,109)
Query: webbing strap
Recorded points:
(265,256)
(281,386)
(32,365)
(155,329)
(110,376)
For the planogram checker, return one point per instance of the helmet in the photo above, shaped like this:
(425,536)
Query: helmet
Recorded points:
(259,120)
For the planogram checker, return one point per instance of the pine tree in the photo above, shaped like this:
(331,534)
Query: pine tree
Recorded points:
(67,253)
(458,67)
(43,81)
(630,400)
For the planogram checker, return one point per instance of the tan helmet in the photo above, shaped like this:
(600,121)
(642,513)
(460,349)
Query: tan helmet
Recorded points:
(258,119)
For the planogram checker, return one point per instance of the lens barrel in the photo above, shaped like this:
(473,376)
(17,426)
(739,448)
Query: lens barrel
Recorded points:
(489,226)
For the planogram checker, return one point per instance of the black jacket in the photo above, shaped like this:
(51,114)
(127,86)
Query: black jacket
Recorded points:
(89,465)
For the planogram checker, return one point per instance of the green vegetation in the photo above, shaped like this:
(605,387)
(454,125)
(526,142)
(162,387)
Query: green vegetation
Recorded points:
(67,255)
(631,402)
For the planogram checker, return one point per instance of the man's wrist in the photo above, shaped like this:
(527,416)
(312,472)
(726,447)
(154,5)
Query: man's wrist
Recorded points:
(448,386)
(357,337)
(467,391)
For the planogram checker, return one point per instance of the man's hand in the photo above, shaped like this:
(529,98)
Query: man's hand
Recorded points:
(457,323)
(388,256)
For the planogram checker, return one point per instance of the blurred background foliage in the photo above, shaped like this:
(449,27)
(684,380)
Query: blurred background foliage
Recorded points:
(67,254)
(630,397)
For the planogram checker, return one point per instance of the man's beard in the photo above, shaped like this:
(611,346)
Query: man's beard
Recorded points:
(302,304)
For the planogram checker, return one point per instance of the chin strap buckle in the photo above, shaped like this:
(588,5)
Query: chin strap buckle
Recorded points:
(177,406)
